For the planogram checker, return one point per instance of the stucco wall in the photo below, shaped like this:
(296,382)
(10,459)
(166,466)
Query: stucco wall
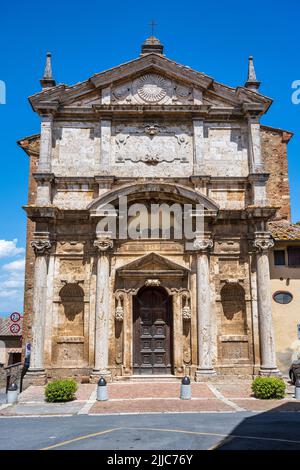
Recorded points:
(286,316)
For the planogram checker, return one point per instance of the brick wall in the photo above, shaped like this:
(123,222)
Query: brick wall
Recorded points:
(31,147)
(274,147)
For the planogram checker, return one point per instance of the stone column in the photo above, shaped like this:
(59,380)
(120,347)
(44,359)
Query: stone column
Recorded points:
(41,248)
(266,333)
(102,308)
(45,144)
(204,366)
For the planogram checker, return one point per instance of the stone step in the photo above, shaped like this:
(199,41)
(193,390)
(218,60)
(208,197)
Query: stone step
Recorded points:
(148,378)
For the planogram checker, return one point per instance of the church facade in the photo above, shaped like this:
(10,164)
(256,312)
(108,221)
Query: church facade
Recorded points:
(104,294)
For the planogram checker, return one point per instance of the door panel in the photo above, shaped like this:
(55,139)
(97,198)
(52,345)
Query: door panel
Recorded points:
(152,336)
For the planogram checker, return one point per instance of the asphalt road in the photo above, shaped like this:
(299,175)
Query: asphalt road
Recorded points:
(248,431)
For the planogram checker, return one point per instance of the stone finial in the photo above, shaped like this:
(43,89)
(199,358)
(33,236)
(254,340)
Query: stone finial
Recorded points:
(152,45)
(48,81)
(252,83)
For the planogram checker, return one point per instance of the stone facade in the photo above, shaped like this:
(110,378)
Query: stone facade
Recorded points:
(153,131)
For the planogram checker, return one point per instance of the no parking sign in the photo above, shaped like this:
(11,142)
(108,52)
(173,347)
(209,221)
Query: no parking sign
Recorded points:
(15,328)
(15,317)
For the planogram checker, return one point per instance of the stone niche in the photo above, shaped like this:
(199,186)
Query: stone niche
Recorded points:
(233,340)
(68,348)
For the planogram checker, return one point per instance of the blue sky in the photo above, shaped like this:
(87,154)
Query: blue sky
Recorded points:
(85,38)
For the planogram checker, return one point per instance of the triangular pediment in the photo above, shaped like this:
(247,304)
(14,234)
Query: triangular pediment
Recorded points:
(152,264)
(175,84)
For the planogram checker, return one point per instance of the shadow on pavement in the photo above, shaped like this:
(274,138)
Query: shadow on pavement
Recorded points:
(275,429)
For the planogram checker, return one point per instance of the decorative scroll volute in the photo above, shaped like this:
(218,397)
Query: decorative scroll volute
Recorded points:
(41,247)
(263,244)
(119,310)
(203,244)
(103,244)
(186,308)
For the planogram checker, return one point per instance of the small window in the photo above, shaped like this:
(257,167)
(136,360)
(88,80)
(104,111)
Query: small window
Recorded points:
(294,256)
(279,257)
(282,297)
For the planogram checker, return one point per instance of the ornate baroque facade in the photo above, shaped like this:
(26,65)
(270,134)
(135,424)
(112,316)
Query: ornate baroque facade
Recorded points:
(153,131)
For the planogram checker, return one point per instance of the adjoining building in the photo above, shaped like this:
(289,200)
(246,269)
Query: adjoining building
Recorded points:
(152,132)
(285,284)
(10,343)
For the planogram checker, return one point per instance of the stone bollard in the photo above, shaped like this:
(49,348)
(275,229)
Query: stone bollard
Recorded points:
(12,394)
(186,389)
(297,389)
(102,394)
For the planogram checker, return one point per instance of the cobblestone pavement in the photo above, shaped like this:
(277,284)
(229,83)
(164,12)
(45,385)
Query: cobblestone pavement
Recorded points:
(150,397)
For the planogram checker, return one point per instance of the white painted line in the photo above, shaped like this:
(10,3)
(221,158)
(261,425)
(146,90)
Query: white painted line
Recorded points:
(160,399)
(49,403)
(88,405)
(6,405)
(224,399)
(37,416)
(160,413)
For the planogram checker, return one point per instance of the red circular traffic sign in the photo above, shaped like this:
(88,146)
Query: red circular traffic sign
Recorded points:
(14,328)
(15,317)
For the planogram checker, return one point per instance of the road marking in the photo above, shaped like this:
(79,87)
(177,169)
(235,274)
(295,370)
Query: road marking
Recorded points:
(6,405)
(80,438)
(227,437)
(221,443)
(88,405)
(225,400)
(217,434)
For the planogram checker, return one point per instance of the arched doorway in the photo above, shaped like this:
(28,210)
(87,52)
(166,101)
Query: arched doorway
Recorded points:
(152,332)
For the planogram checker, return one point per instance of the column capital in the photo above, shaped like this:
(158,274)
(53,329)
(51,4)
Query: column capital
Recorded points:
(103,244)
(263,244)
(203,244)
(41,247)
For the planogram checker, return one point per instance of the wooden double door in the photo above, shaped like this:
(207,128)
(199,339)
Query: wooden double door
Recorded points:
(152,332)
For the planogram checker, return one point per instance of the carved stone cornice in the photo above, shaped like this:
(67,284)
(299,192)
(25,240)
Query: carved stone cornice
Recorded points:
(41,247)
(203,244)
(103,244)
(41,213)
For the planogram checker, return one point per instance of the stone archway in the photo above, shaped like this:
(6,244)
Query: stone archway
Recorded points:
(152,332)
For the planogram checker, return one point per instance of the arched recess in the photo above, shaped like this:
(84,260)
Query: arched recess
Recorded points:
(233,340)
(68,348)
(234,319)
(165,191)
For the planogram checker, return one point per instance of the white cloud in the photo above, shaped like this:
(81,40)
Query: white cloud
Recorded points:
(8,248)
(8,293)
(17,265)
(11,285)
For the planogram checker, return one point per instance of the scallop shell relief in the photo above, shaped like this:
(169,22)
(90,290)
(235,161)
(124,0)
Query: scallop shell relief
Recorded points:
(152,88)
